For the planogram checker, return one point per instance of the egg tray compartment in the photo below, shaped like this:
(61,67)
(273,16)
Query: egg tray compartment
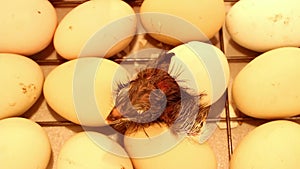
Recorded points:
(237,57)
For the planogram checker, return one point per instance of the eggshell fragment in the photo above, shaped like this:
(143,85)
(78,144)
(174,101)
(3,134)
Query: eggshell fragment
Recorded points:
(175,22)
(201,68)
(268,86)
(95,28)
(21,84)
(156,147)
(262,25)
(27,27)
(24,144)
(83,90)
(92,150)
(273,145)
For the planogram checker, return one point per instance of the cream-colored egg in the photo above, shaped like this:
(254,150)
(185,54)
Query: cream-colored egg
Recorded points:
(27,27)
(156,147)
(92,150)
(95,28)
(83,90)
(273,145)
(21,84)
(262,25)
(201,68)
(176,22)
(268,86)
(24,144)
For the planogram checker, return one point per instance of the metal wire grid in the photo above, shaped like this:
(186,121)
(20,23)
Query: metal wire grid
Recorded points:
(231,59)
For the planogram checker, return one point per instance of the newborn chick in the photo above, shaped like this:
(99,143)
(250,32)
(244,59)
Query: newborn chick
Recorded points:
(154,96)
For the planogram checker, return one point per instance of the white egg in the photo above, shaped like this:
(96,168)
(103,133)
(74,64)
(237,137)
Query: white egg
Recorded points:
(27,27)
(268,86)
(273,145)
(21,84)
(92,150)
(83,90)
(95,28)
(175,22)
(24,144)
(262,25)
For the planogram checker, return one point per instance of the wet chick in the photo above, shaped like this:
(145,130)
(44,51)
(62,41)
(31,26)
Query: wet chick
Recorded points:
(154,96)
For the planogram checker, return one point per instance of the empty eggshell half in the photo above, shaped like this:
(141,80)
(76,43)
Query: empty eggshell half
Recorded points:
(21,84)
(24,144)
(157,147)
(262,25)
(98,28)
(201,68)
(83,90)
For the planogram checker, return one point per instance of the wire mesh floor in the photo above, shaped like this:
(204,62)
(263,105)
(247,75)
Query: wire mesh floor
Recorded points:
(223,140)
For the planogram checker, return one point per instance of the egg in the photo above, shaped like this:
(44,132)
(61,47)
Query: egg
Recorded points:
(93,29)
(273,145)
(21,84)
(200,68)
(268,86)
(24,144)
(156,147)
(92,150)
(262,25)
(26,28)
(176,22)
(83,90)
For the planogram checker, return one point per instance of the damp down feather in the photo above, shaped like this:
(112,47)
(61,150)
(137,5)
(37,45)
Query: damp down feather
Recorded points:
(154,96)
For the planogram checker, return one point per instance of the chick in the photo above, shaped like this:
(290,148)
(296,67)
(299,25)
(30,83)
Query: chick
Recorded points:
(154,96)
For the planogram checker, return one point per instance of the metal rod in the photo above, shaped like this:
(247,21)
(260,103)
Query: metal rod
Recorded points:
(222,47)
(56,123)
(228,128)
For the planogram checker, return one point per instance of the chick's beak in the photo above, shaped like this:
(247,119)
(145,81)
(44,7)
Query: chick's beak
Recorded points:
(113,116)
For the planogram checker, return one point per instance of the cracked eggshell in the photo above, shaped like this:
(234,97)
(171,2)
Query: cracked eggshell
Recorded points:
(100,28)
(273,145)
(262,25)
(268,86)
(157,147)
(21,84)
(92,150)
(201,68)
(24,144)
(83,90)
(26,27)
(175,22)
